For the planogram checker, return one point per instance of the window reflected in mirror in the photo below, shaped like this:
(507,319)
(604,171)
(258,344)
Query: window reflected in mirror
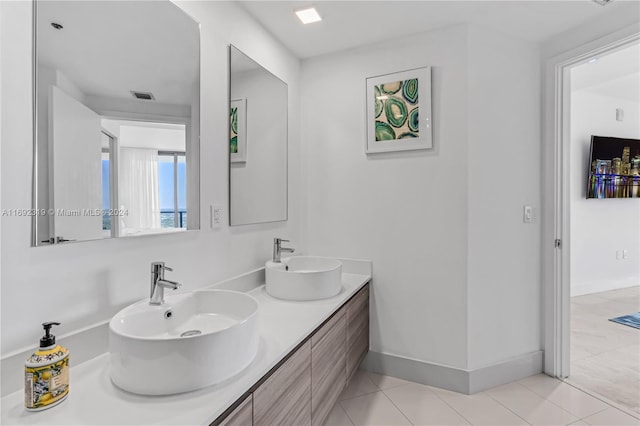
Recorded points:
(151,177)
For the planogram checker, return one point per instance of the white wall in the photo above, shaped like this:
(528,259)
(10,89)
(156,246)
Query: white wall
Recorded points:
(170,137)
(503,176)
(610,21)
(600,228)
(3,81)
(407,212)
(456,272)
(83,283)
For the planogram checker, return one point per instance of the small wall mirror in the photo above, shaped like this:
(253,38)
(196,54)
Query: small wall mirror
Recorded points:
(258,110)
(116,149)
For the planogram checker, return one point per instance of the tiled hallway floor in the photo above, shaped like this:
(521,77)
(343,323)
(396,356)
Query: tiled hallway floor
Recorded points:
(605,356)
(372,399)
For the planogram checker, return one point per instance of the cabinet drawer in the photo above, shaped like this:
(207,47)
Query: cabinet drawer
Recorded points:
(327,327)
(357,352)
(285,397)
(361,298)
(358,322)
(328,366)
(357,330)
(241,416)
(357,315)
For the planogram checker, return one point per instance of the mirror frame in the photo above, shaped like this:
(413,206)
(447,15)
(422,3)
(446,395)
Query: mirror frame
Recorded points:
(35,211)
(286,186)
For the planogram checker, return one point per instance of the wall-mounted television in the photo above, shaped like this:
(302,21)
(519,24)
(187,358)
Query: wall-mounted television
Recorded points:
(614,168)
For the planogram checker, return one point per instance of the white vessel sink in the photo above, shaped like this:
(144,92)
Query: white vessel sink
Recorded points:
(304,278)
(193,340)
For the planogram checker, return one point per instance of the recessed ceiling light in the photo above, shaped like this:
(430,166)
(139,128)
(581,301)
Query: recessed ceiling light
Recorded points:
(603,2)
(308,15)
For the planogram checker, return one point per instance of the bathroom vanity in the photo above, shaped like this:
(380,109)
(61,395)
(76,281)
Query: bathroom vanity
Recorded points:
(303,388)
(307,353)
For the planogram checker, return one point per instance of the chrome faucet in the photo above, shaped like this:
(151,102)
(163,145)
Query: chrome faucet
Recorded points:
(278,249)
(158,283)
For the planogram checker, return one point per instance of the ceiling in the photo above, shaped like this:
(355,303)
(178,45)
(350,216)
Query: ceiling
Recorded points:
(616,74)
(348,24)
(109,48)
(627,88)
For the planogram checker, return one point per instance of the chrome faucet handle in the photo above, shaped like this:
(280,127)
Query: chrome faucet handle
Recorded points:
(278,249)
(158,283)
(158,267)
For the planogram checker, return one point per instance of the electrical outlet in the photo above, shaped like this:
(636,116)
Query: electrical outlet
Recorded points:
(215,216)
(617,254)
(625,254)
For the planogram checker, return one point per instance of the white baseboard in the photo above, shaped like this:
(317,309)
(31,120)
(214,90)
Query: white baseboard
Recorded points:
(440,376)
(452,378)
(600,286)
(505,372)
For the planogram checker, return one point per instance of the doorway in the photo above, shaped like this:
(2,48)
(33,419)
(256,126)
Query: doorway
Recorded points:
(604,225)
(566,178)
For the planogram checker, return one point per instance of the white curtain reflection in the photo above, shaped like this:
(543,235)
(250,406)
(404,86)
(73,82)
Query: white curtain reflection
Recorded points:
(138,190)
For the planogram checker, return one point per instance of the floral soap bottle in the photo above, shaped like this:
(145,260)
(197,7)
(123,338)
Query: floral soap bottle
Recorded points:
(46,373)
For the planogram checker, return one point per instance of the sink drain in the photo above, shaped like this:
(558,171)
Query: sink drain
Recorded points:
(189,333)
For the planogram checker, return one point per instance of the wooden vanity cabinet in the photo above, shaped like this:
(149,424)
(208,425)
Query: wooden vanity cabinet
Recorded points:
(285,397)
(303,389)
(328,366)
(240,416)
(357,310)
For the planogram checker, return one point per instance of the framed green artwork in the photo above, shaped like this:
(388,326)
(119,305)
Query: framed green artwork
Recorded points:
(238,131)
(399,111)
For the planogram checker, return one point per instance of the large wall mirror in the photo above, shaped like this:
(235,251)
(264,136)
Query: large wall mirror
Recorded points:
(257,142)
(117,99)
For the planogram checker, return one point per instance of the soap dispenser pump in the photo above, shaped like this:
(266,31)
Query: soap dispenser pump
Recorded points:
(46,373)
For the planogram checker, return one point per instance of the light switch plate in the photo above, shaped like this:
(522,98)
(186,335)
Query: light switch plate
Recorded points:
(527,214)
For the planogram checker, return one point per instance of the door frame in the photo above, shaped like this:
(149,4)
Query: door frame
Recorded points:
(556,244)
(114,149)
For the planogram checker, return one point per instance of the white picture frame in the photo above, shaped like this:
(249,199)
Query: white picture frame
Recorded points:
(239,153)
(408,125)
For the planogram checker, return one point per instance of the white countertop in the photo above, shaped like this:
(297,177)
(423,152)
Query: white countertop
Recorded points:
(94,400)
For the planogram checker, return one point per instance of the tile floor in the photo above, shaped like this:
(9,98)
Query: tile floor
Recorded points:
(372,399)
(605,356)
